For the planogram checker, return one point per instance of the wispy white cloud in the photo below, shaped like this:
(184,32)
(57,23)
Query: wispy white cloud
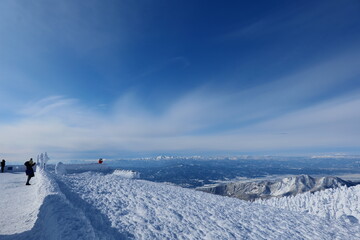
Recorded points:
(331,124)
(47,106)
(275,116)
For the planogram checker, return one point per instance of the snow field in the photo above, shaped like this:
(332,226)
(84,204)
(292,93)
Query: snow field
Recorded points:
(145,210)
(114,206)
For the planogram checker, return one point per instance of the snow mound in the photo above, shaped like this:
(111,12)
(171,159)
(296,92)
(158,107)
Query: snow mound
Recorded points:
(126,173)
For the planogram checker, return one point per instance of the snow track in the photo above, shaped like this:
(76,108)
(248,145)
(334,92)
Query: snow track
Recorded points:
(14,195)
(100,225)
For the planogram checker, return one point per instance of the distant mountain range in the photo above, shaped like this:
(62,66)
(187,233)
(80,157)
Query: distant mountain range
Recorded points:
(289,186)
(198,171)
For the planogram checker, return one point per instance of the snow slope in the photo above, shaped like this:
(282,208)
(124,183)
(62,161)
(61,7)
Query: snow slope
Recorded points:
(111,206)
(265,189)
(343,202)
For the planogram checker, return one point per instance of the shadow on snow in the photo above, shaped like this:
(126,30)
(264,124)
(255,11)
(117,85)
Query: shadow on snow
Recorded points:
(69,217)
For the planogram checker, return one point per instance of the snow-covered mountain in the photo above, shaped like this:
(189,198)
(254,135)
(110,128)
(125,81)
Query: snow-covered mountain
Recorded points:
(289,186)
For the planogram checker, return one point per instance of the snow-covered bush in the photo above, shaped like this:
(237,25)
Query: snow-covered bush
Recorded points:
(60,169)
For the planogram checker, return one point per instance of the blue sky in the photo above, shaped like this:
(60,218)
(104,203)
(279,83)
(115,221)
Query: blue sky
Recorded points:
(83,79)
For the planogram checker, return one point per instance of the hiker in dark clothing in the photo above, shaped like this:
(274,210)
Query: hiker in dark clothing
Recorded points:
(29,170)
(3,165)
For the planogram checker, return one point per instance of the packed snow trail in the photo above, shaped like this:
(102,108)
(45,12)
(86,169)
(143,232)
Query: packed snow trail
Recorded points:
(147,210)
(18,202)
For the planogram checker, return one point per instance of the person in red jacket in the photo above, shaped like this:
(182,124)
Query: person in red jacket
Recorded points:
(100,160)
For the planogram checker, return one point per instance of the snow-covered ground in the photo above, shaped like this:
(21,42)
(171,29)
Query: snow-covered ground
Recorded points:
(341,203)
(114,206)
(15,196)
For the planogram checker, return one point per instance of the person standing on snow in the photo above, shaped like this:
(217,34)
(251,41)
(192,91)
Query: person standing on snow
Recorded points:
(29,170)
(3,165)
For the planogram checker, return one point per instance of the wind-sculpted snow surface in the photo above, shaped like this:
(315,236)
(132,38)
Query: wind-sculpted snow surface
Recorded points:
(342,203)
(140,209)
